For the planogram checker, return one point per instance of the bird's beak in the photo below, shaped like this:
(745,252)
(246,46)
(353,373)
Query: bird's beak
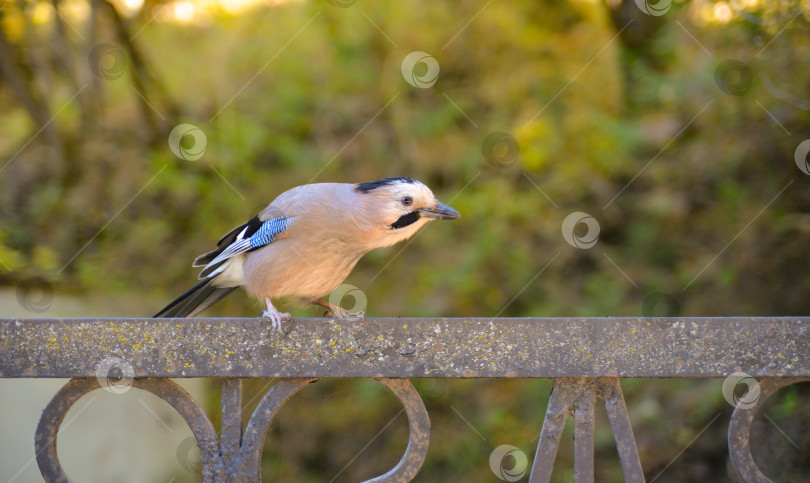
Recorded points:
(440,212)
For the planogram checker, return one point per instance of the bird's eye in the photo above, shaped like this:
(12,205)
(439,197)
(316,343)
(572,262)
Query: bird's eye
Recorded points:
(406,201)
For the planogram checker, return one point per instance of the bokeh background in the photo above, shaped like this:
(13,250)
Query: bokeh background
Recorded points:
(677,126)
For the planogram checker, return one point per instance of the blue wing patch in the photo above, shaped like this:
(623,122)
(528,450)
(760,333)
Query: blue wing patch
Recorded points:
(242,243)
(268,231)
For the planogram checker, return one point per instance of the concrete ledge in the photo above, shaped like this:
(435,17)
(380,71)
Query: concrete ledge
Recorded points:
(389,347)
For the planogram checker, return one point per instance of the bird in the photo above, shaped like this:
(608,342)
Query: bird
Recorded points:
(307,241)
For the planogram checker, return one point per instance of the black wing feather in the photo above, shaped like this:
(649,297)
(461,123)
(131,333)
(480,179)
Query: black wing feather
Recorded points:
(252,227)
(195,300)
(205,294)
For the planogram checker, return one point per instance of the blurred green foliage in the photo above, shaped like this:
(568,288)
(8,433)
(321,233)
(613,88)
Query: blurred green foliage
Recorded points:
(619,114)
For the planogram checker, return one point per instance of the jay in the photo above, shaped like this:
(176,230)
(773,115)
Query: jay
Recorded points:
(307,241)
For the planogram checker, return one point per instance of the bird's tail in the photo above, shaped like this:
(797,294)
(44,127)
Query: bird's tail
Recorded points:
(197,299)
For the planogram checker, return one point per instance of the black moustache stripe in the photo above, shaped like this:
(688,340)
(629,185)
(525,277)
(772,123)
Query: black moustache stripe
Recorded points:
(405,220)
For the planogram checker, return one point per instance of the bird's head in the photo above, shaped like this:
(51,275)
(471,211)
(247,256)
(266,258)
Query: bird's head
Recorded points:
(402,206)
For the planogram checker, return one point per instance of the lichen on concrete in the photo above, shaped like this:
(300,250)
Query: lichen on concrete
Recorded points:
(398,347)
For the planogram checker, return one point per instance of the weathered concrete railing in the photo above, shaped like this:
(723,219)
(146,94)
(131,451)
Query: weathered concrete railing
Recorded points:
(586,357)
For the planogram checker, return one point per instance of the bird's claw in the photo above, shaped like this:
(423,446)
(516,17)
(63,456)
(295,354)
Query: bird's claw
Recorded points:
(277,319)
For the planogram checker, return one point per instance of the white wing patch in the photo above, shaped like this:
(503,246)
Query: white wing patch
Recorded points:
(245,243)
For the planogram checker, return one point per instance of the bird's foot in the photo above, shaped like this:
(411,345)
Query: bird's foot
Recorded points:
(277,319)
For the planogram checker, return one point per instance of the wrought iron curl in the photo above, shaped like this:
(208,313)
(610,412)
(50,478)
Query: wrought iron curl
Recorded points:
(169,391)
(259,423)
(739,430)
(236,456)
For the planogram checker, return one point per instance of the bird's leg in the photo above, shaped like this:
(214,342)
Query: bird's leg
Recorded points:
(339,312)
(276,317)
(334,310)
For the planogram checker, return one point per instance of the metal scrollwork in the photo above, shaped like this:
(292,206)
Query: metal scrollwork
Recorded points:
(739,430)
(236,454)
(577,397)
(48,428)
(419,425)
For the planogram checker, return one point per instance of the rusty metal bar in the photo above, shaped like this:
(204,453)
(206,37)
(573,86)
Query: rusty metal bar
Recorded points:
(478,347)
(576,396)
(232,423)
(559,408)
(611,391)
(583,440)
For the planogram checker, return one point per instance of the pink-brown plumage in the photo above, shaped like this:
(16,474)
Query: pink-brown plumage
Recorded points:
(332,226)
